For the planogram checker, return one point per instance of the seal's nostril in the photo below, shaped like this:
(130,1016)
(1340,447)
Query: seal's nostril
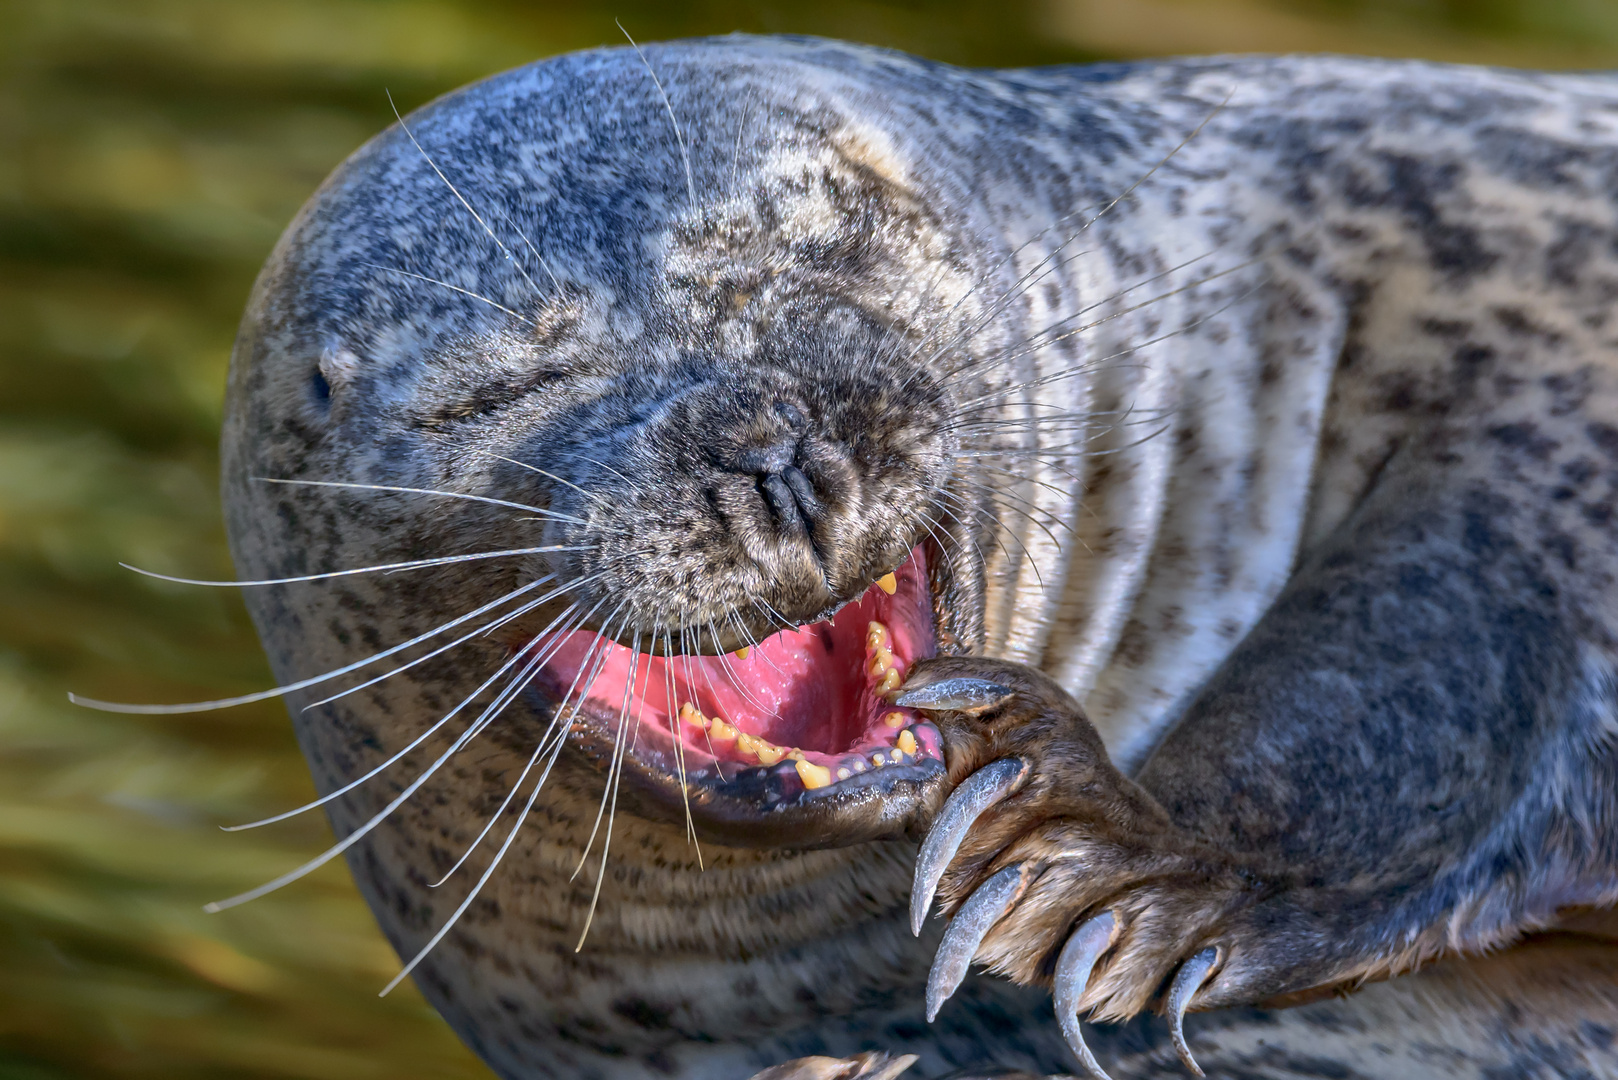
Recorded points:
(782,502)
(803,492)
(792,498)
(791,415)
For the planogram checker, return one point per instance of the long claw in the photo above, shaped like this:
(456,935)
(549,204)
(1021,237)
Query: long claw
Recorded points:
(1073,975)
(960,694)
(1187,981)
(985,907)
(976,794)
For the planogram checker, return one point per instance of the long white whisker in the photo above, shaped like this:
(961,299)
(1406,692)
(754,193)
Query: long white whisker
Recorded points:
(414,564)
(1125,351)
(594,496)
(679,740)
(452,288)
(488,872)
(1028,347)
(679,136)
(617,749)
(313,680)
(487,628)
(358,834)
(615,779)
(556,728)
(456,192)
(421,491)
(417,741)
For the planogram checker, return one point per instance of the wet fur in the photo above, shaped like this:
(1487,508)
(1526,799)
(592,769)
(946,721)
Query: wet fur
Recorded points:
(1340,592)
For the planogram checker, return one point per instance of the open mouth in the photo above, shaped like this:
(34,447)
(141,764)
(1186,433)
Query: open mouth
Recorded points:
(799,717)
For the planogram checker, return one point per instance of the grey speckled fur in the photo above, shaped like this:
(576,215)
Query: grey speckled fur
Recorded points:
(1338,383)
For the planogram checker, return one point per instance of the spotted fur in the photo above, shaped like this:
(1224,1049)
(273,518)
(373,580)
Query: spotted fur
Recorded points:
(1306,434)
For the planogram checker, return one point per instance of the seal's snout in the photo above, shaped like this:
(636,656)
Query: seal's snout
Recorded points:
(783,470)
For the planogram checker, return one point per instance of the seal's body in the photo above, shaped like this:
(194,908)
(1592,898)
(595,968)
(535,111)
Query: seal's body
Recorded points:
(1289,449)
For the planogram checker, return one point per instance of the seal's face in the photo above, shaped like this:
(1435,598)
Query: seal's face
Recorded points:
(744,530)
(737,457)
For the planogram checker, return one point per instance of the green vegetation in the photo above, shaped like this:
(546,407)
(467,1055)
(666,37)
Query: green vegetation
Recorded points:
(150,153)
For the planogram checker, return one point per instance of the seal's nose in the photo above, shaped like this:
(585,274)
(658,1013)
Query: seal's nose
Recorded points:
(786,488)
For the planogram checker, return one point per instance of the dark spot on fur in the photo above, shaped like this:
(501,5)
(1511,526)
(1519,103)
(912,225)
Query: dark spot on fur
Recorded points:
(1525,437)
(1605,436)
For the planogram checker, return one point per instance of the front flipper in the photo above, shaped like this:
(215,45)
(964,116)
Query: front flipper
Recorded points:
(1057,868)
(1410,756)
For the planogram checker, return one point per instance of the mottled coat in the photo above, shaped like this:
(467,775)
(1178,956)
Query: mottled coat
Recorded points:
(1304,437)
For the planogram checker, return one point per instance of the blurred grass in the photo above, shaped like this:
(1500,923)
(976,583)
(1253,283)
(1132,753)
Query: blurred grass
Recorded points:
(150,152)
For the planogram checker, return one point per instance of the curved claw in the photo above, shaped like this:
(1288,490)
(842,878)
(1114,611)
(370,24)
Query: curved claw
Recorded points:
(985,907)
(1073,975)
(959,694)
(1187,981)
(976,794)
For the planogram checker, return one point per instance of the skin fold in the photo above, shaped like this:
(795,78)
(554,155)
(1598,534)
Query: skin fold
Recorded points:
(1254,423)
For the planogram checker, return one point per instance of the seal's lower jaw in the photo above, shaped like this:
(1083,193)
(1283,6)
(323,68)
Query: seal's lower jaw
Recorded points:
(790,743)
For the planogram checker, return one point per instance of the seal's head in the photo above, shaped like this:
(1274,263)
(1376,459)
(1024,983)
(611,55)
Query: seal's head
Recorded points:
(693,425)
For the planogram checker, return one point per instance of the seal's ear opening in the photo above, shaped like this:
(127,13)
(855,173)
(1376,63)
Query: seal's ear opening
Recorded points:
(333,373)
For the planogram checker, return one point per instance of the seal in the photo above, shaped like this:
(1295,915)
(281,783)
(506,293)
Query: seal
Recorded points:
(1178,495)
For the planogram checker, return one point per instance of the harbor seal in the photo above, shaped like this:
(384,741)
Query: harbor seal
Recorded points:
(1178,495)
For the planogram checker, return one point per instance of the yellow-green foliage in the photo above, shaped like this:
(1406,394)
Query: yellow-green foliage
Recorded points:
(150,152)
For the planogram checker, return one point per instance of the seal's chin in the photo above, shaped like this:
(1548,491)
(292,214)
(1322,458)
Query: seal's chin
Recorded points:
(792,742)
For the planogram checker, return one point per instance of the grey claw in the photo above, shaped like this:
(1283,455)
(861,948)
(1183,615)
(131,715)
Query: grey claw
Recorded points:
(976,794)
(1187,981)
(960,694)
(1073,975)
(985,907)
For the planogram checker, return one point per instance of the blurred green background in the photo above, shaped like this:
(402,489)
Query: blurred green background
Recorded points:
(150,152)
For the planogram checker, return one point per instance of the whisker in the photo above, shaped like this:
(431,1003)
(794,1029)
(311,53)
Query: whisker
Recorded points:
(678,736)
(485,629)
(452,288)
(555,726)
(616,780)
(483,879)
(456,192)
(313,680)
(594,496)
(734,679)
(1028,556)
(679,136)
(421,491)
(1020,287)
(617,746)
(414,564)
(1125,351)
(1028,347)
(417,741)
(358,834)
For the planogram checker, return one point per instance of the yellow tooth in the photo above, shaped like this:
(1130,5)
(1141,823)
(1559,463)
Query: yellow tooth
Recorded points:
(769,755)
(692,715)
(876,633)
(888,583)
(881,662)
(741,653)
(890,682)
(720,729)
(745,743)
(878,760)
(812,775)
(907,742)
(894,719)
